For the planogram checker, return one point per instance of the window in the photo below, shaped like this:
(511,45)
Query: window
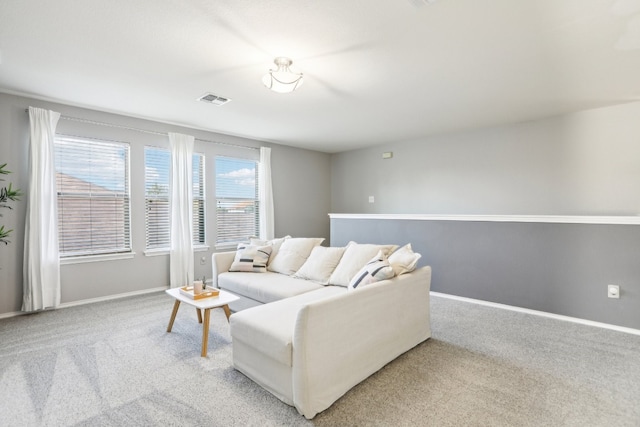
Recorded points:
(157,162)
(237,210)
(92,182)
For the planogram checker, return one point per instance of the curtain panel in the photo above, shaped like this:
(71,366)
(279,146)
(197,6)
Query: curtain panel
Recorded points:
(265,195)
(41,281)
(181,270)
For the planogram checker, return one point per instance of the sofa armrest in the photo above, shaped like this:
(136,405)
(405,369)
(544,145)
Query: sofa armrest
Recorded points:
(341,340)
(221,263)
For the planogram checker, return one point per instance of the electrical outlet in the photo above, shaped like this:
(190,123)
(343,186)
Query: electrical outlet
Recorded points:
(203,261)
(613,291)
(372,199)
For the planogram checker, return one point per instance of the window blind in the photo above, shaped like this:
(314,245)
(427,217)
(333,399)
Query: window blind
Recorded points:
(237,207)
(157,163)
(199,228)
(92,182)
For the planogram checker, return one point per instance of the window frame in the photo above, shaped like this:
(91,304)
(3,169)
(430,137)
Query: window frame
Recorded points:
(117,251)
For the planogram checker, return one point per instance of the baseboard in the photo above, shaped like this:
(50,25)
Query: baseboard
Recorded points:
(11,314)
(111,297)
(92,300)
(540,313)
(438,294)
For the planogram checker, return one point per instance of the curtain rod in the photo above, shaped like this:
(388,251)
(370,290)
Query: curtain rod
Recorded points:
(151,132)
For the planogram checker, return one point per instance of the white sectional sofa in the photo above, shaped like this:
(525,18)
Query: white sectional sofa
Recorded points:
(309,342)
(255,289)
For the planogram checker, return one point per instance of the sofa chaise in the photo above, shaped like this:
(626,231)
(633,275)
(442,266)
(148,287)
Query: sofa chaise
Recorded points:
(308,342)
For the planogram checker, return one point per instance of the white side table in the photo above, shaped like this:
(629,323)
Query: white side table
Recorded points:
(205,304)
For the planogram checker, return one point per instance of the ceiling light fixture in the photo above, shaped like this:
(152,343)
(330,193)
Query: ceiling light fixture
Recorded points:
(282,79)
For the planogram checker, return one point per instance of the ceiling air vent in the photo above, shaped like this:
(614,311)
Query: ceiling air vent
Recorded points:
(213,99)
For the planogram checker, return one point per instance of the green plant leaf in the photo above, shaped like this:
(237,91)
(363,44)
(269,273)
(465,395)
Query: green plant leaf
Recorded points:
(4,234)
(7,194)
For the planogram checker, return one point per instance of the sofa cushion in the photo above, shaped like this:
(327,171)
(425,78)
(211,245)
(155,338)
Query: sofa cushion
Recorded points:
(266,287)
(320,264)
(292,254)
(269,328)
(355,257)
(404,260)
(374,271)
(274,243)
(251,258)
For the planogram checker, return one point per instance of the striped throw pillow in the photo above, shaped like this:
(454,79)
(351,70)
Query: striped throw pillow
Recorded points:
(251,259)
(375,270)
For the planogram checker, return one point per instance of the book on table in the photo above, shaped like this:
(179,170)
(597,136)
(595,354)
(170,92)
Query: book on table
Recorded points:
(206,293)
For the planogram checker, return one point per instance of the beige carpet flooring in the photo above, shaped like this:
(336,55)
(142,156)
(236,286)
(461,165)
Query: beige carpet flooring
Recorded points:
(113,364)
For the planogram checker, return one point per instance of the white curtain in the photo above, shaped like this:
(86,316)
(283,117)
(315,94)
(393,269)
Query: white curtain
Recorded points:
(265,195)
(181,205)
(41,282)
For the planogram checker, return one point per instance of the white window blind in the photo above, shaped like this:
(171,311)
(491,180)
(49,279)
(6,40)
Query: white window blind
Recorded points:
(157,162)
(199,235)
(92,181)
(237,213)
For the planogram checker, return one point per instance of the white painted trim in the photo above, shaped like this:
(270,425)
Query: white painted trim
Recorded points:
(554,219)
(112,297)
(12,314)
(156,252)
(96,258)
(167,251)
(227,247)
(90,301)
(540,313)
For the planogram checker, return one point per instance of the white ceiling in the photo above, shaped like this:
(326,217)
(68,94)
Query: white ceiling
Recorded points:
(376,71)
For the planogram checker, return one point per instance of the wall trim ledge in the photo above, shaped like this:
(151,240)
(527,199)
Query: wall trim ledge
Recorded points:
(554,219)
(540,313)
(90,301)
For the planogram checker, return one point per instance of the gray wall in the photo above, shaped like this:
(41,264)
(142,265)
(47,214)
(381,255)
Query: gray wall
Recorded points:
(580,164)
(556,268)
(301,181)
(586,163)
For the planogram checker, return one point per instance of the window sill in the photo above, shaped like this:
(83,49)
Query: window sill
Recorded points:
(156,252)
(165,251)
(96,258)
(227,247)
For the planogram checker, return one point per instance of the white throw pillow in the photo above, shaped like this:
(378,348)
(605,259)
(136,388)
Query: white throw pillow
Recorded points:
(320,264)
(275,243)
(292,254)
(355,257)
(404,260)
(251,258)
(375,270)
